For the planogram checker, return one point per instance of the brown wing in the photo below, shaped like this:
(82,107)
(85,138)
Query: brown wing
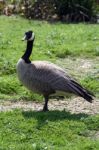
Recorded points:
(52,75)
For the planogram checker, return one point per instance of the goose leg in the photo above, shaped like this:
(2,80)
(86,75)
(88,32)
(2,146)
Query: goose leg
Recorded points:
(45,108)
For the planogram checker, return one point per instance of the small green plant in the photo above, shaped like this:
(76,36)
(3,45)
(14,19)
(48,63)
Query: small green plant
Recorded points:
(63,53)
(92,83)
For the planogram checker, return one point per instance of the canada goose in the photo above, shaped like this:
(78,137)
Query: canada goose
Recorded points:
(46,78)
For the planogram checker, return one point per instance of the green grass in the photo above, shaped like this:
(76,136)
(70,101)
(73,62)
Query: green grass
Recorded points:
(53,41)
(53,130)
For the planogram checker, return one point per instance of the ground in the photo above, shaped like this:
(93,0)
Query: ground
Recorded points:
(76,105)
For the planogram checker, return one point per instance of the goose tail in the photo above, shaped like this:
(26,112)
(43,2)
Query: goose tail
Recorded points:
(82,92)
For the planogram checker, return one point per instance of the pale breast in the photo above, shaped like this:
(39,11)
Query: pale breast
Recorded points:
(30,76)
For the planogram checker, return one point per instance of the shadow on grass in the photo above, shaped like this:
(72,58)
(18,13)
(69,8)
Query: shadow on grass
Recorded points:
(44,117)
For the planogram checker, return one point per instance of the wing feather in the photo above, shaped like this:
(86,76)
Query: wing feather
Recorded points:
(52,75)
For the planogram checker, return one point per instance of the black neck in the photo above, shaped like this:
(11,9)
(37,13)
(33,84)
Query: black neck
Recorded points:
(28,52)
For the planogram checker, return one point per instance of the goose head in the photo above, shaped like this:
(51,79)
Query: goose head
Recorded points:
(29,36)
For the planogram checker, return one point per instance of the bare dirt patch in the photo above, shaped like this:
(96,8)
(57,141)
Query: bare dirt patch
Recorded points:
(76,105)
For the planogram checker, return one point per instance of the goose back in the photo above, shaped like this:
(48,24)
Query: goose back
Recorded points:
(43,77)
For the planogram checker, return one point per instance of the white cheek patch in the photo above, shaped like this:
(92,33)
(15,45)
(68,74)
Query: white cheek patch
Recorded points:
(24,38)
(33,35)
